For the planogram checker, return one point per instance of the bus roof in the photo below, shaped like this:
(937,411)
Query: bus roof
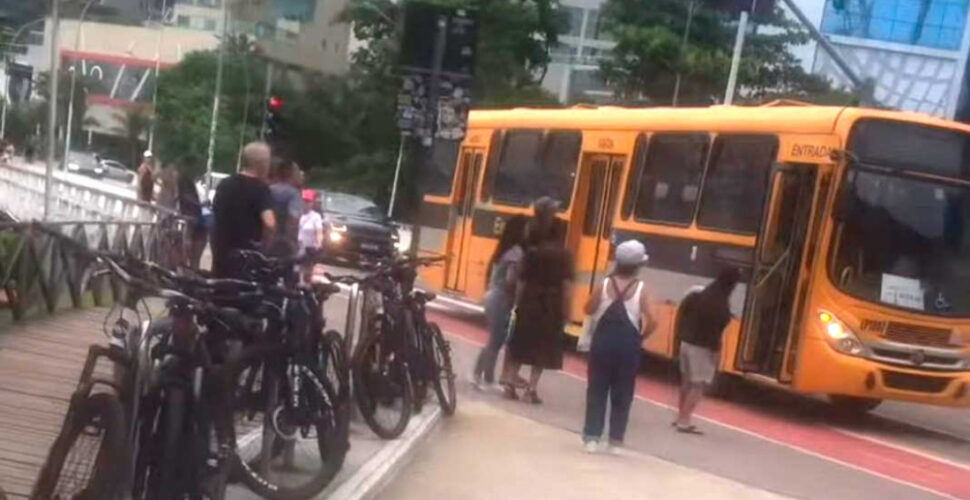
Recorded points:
(780,117)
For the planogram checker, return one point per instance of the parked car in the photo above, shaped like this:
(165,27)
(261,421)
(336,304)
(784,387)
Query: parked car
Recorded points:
(355,228)
(117,171)
(84,164)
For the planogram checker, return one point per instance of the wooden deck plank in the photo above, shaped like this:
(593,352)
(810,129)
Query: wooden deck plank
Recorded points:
(40,361)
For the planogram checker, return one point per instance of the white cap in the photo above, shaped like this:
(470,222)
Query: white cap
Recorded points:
(147,154)
(631,253)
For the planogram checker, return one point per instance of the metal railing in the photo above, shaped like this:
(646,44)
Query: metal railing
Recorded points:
(38,268)
(22,195)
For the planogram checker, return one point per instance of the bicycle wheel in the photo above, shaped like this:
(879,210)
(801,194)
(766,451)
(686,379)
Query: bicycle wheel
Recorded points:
(285,451)
(382,386)
(444,375)
(89,458)
(333,363)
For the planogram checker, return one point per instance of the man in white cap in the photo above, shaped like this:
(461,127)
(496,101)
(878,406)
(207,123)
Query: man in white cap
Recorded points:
(620,318)
(146,178)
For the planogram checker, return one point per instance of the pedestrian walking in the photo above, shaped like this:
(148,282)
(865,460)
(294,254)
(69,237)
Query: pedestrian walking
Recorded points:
(287,207)
(541,305)
(191,208)
(619,319)
(146,180)
(703,317)
(503,269)
(243,211)
(311,229)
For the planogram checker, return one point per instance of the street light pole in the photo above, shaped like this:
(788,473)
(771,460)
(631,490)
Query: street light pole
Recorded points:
(736,57)
(158,62)
(683,51)
(70,95)
(215,98)
(52,111)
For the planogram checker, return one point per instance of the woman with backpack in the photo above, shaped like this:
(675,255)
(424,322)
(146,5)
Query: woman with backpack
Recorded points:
(619,320)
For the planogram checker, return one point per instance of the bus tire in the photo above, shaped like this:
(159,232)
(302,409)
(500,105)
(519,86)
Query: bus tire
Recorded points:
(853,405)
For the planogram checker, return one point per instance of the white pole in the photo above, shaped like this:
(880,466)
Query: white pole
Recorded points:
(70,95)
(683,51)
(736,59)
(215,98)
(52,112)
(158,63)
(397,175)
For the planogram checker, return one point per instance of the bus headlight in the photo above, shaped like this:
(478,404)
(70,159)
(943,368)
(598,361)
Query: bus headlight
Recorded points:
(840,337)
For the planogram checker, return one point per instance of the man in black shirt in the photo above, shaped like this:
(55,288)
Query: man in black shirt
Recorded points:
(703,316)
(243,210)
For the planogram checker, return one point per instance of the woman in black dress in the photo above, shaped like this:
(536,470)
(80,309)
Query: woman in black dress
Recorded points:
(541,305)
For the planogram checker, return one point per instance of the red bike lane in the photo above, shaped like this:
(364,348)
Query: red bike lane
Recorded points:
(919,470)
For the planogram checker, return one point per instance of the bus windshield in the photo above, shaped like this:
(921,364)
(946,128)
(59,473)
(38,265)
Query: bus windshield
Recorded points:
(904,242)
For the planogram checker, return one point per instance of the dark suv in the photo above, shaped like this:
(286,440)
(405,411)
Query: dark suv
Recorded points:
(355,229)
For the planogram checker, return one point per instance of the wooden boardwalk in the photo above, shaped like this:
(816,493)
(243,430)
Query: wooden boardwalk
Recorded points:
(40,361)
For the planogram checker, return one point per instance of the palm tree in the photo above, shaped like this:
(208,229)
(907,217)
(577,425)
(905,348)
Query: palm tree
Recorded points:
(133,123)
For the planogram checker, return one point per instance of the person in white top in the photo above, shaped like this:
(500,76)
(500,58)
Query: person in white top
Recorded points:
(310,232)
(620,318)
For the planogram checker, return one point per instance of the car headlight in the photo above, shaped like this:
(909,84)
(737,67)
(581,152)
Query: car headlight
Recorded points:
(73,167)
(336,236)
(340,228)
(840,337)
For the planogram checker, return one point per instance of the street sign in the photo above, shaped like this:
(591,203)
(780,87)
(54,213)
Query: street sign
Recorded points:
(417,42)
(414,114)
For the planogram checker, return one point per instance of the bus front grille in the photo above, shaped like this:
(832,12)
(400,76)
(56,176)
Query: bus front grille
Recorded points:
(918,335)
(915,383)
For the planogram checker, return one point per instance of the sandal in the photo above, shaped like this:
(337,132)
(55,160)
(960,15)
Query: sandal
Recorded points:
(689,429)
(509,392)
(532,397)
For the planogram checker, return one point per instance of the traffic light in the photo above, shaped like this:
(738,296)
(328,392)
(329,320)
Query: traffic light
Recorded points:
(273,119)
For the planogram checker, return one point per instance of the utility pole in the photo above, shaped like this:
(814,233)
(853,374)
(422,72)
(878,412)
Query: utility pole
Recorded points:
(266,91)
(158,64)
(683,51)
(52,111)
(736,57)
(215,98)
(440,42)
(69,126)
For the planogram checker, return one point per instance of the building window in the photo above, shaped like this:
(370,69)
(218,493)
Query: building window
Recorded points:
(594,27)
(574,20)
(928,23)
(670,178)
(563,53)
(210,25)
(183,21)
(734,188)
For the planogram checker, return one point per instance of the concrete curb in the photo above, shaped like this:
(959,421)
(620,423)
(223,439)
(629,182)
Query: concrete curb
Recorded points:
(384,465)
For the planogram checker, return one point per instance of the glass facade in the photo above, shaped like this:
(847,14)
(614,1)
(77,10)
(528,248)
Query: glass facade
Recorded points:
(935,24)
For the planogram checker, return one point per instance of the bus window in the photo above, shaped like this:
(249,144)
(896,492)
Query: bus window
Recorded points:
(734,189)
(534,164)
(437,177)
(494,152)
(639,153)
(670,177)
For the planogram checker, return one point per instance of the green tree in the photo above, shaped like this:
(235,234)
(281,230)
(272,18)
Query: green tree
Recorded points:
(648,55)
(184,106)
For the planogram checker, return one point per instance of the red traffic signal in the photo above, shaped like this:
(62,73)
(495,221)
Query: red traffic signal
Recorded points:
(275,103)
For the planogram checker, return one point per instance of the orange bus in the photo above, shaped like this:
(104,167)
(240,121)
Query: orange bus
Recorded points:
(851,227)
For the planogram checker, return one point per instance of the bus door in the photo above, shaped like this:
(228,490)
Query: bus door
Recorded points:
(463,207)
(592,220)
(774,282)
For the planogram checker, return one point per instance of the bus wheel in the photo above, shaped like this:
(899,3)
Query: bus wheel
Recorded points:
(722,386)
(853,405)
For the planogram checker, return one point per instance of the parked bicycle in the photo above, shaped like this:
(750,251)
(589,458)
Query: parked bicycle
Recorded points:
(401,352)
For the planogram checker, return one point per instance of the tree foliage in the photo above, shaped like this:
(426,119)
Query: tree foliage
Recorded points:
(184,107)
(648,54)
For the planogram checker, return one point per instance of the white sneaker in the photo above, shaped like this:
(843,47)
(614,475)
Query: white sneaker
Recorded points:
(591,447)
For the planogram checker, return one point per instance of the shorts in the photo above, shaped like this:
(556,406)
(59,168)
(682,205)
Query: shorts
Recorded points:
(697,364)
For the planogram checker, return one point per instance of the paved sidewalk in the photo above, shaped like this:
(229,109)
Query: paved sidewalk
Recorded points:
(485,452)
